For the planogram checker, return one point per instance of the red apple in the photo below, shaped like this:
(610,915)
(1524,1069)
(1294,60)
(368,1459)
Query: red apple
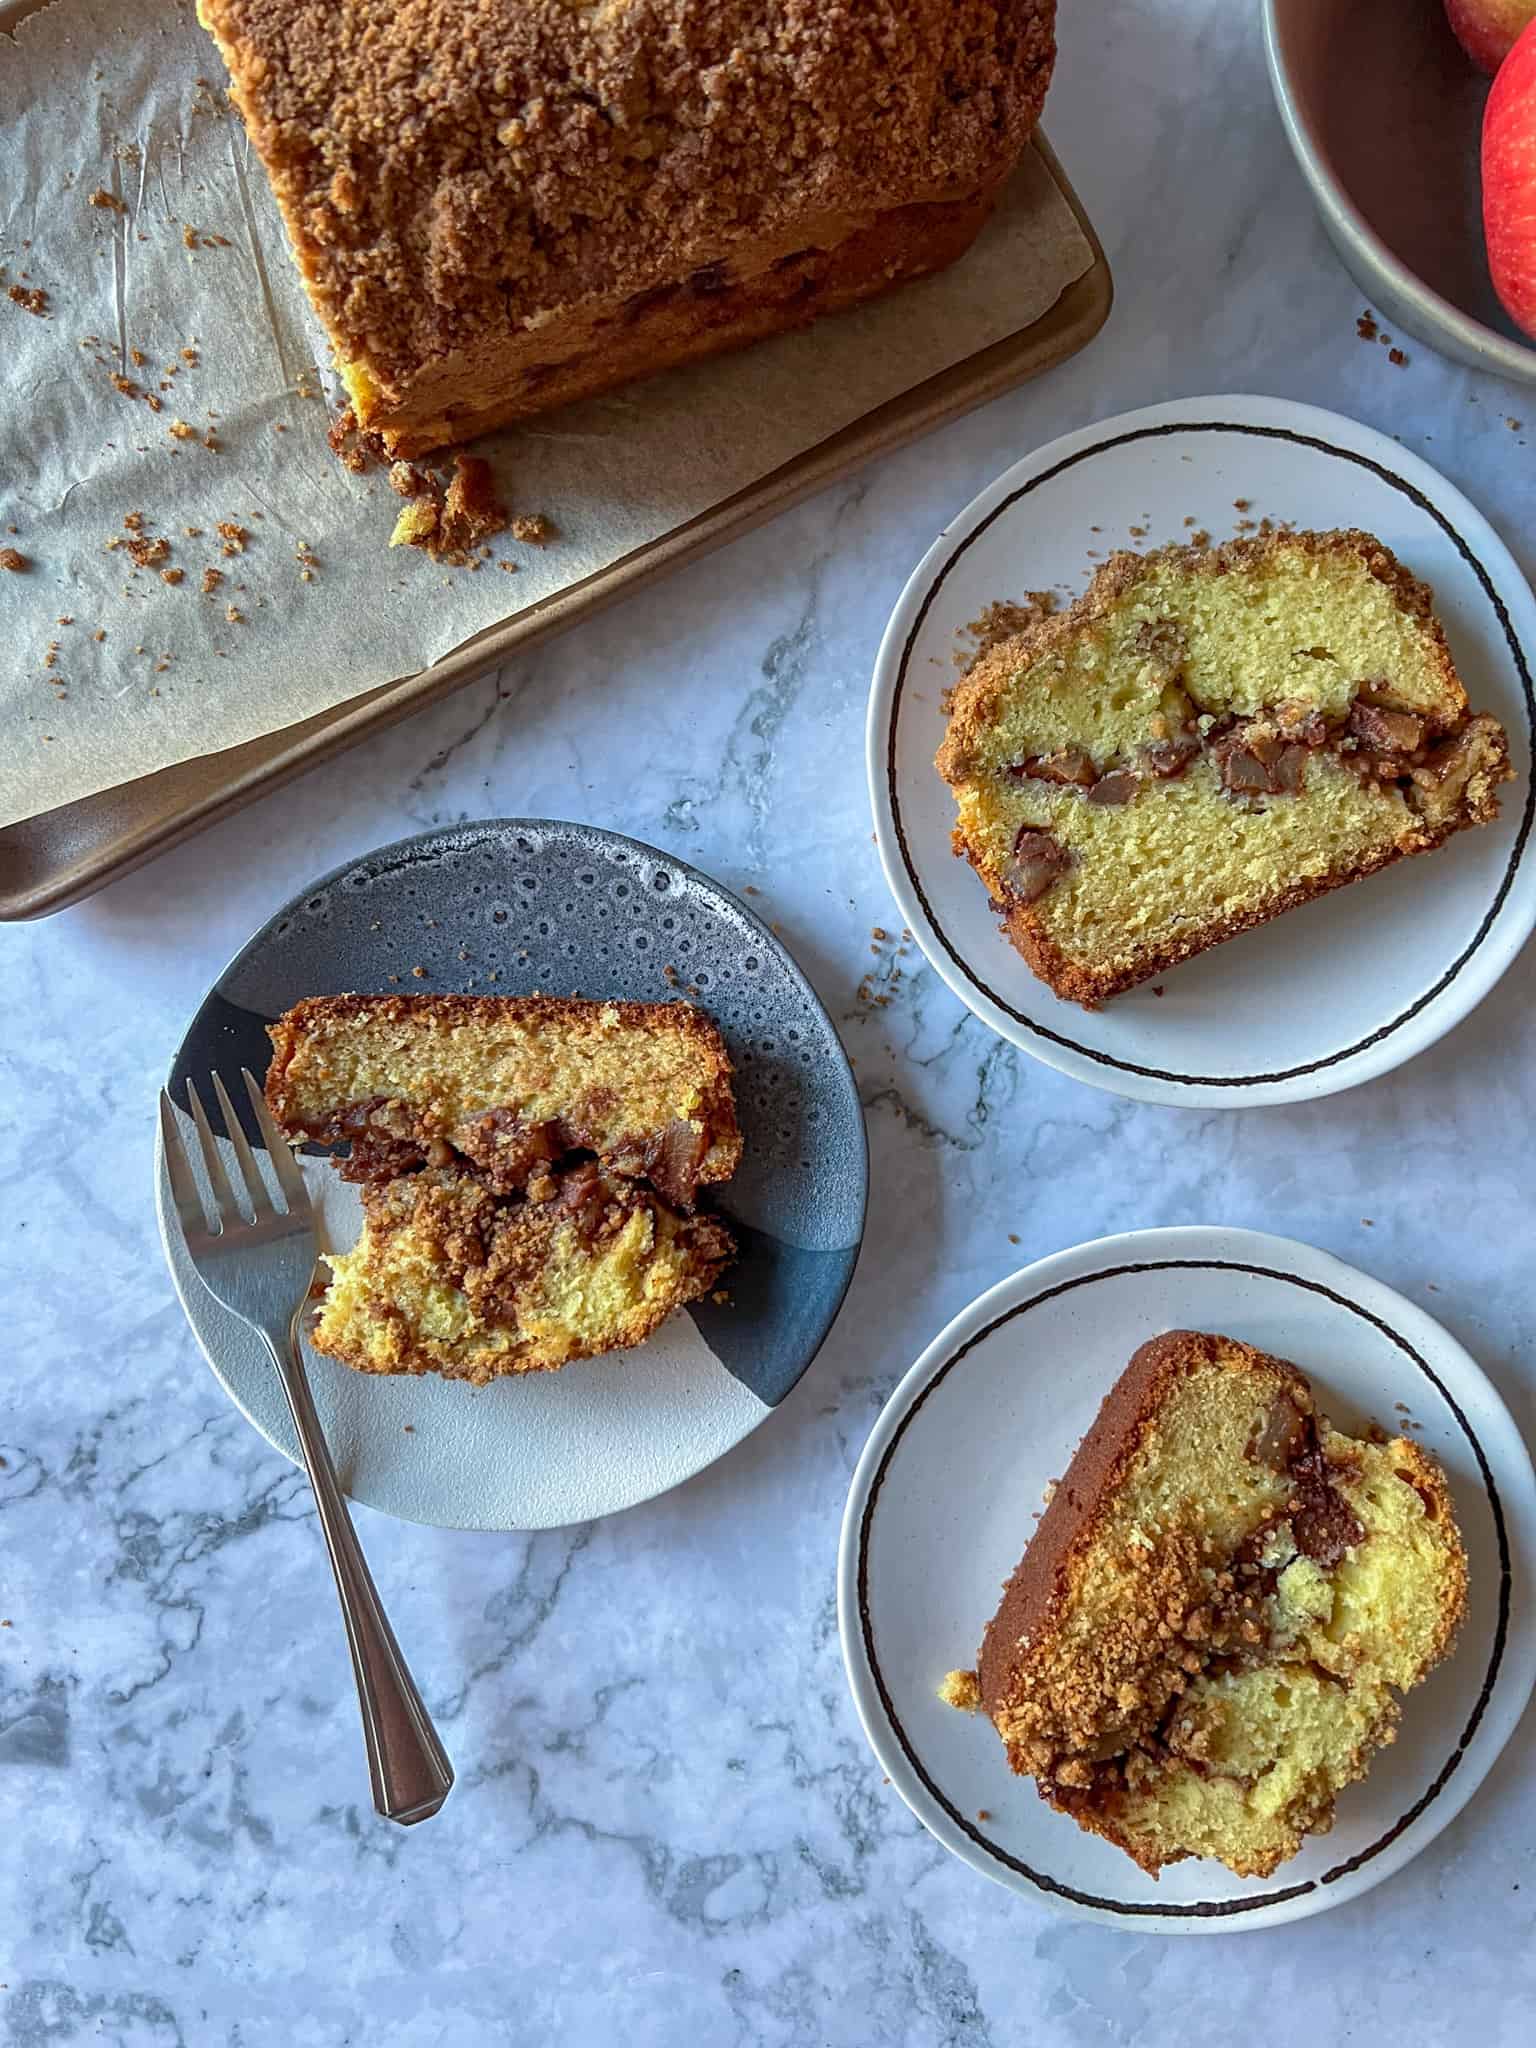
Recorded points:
(1509,182)
(1487,29)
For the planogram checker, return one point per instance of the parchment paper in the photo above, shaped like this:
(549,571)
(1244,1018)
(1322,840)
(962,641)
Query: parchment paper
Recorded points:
(127,96)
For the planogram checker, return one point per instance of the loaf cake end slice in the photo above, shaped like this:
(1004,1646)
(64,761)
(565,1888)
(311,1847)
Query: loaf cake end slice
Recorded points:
(1208,737)
(1211,1628)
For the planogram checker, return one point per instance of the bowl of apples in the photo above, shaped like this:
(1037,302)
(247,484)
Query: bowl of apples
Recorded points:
(1414,123)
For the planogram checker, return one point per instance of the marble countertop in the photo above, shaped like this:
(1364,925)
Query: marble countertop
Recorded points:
(668,1827)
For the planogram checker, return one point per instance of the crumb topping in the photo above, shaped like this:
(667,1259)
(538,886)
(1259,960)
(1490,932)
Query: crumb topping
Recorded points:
(548,153)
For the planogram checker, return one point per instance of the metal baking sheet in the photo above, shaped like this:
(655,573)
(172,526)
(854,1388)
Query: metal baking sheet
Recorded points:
(61,856)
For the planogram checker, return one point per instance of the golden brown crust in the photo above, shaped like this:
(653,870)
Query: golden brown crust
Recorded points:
(448,171)
(979,697)
(1428,1480)
(762,290)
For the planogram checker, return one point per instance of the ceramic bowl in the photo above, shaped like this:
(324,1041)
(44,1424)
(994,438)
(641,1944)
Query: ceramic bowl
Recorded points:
(1384,112)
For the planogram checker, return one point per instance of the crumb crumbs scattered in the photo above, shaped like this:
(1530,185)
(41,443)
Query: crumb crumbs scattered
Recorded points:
(352,448)
(233,536)
(961,1690)
(1200,538)
(420,973)
(1369,1222)
(1158,989)
(1013,1237)
(108,201)
(31,298)
(1000,621)
(179,430)
(1366,326)
(1397,356)
(533,529)
(983,1813)
(449,522)
(147,552)
(212,578)
(171,576)
(235,616)
(14,560)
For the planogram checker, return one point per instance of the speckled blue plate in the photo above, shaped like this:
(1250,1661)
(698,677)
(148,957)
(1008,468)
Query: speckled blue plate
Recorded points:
(564,909)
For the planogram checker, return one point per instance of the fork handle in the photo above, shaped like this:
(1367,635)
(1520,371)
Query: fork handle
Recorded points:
(407,1764)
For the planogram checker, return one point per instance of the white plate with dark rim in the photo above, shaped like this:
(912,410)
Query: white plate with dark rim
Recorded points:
(507,907)
(945,1497)
(1329,995)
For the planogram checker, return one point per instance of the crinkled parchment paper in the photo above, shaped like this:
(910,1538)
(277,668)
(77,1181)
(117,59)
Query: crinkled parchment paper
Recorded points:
(126,97)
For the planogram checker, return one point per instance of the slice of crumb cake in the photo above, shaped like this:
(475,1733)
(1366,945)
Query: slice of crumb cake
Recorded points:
(1207,738)
(1208,1633)
(530,1169)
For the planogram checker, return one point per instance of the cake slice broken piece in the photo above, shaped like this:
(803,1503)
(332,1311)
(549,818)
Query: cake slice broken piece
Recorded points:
(449,1277)
(1209,737)
(530,1165)
(1209,1632)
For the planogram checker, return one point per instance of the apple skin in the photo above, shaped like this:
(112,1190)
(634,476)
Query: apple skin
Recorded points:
(1488,29)
(1509,182)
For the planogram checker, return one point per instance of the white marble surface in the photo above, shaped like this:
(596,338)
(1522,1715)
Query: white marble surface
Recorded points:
(667,1826)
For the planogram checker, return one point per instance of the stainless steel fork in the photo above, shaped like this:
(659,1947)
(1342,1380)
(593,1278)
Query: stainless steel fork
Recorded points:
(260,1268)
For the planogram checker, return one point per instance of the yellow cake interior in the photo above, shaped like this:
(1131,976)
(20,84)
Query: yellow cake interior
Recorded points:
(1181,644)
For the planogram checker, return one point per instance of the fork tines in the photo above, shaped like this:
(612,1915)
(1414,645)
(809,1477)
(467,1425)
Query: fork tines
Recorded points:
(228,1212)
